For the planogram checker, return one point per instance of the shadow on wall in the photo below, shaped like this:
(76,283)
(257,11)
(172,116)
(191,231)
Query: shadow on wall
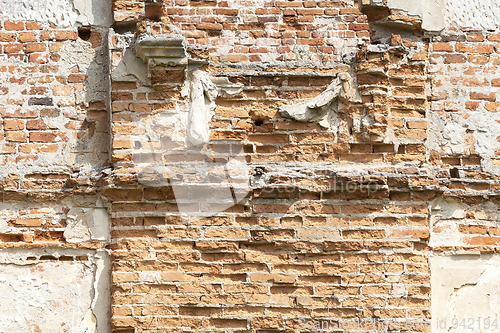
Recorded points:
(90,56)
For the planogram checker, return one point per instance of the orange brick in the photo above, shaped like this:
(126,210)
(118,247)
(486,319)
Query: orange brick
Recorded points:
(26,37)
(26,222)
(33,26)
(62,90)
(13,48)
(7,37)
(13,25)
(35,47)
(13,125)
(473,48)
(442,47)
(16,136)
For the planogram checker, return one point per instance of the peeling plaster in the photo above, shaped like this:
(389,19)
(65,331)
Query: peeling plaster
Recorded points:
(130,68)
(473,14)
(54,296)
(450,134)
(203,92)
(87,219)
(59,12)
(431,11)
(93,12)
(447,214)
(464,286)
(63,13)
(86,224)
(322,108)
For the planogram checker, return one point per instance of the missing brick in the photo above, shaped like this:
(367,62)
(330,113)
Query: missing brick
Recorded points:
(84,33)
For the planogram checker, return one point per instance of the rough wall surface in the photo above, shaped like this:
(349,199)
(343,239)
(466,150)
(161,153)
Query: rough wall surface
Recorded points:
(250,166)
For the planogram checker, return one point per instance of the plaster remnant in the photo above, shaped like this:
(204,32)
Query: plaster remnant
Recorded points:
(444,216)
(464,286)
(204,89)
(86,218)
(59,12)
(451,134)
(93,12)
(432,12)
(319,109)
(130,68)
(87,224)
(52,295)
(473,14)
(90,61)
(100,303)
(77,229)
(448,215)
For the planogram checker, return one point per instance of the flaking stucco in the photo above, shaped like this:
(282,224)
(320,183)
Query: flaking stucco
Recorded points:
(53,296)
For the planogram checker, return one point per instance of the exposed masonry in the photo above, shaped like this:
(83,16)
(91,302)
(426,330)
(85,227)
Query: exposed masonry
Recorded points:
(240,166)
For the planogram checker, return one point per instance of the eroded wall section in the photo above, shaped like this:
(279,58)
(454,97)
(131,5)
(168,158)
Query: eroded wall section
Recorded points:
(54,154)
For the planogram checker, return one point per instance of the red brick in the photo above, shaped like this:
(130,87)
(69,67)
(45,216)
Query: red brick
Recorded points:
(35,47)
(47,137)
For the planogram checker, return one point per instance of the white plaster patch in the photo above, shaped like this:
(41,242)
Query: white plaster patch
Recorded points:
(439,14)
(431,11)
(93,12)
(47,297)
(465,287)
(85,224)
(476,14)
(128,67)
(54,296)
(322,108)
(59,12)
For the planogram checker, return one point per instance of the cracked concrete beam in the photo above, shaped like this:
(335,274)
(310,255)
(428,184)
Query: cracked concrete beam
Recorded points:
(162,49)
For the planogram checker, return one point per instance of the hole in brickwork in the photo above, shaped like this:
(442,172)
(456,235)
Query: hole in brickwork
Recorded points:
(376,13)
(259,123)
(454,173)
(48,257)
(84,33)
(213,33)
(125,28)
(154,11)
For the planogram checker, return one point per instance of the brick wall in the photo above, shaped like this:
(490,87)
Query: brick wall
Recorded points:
(272,222)
(312,240)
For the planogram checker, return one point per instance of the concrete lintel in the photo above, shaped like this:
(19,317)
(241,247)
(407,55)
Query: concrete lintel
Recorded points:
(162,49)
